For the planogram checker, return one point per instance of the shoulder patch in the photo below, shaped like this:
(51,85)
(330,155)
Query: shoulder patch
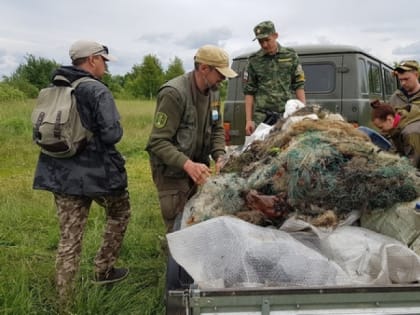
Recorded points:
(284,59)
(245,76)
(160,120)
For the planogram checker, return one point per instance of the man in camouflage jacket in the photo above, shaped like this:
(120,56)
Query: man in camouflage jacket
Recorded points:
(272,75)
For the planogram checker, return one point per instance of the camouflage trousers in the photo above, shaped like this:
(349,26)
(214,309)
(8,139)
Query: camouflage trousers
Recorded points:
(73,213)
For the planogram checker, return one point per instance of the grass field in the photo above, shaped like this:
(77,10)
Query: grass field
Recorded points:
(29,228)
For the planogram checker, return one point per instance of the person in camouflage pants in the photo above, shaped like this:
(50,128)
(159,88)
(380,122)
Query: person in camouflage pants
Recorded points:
(272,75)
(96,173)
(73,213)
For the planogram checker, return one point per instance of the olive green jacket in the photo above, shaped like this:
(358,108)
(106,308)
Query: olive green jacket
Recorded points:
(177,133)
(406,136)
(400,99)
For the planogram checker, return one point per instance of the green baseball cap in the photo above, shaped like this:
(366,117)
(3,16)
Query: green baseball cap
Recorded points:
(407,65)
(264,29)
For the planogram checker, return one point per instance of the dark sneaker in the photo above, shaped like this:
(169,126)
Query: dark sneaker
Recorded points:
(113,275)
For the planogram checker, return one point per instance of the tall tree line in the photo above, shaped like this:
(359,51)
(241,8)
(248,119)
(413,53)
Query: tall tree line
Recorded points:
(142,82)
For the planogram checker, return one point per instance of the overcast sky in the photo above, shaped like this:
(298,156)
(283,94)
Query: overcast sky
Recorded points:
(167,28)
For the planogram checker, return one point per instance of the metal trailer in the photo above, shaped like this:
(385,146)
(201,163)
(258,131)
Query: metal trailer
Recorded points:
(366,300)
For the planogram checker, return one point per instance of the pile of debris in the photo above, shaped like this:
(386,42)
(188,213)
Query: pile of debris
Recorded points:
(314,166)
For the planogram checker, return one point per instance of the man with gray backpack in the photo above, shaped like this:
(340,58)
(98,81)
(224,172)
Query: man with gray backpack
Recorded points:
(79,162)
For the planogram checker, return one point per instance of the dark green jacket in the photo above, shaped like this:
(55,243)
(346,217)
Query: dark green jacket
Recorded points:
(177,134)
(99,169)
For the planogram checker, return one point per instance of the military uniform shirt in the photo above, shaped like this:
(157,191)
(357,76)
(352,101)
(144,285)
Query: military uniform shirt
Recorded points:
(273,78)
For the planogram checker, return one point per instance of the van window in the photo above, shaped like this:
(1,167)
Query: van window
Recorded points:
(319,77)
(362,74)
(374,79)
(390,82)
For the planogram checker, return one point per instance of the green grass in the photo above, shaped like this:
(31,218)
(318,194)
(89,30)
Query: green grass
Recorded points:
(29,228)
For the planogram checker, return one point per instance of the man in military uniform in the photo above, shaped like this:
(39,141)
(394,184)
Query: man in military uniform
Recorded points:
(272,75)
(97,173)
(409,94)
(188,129)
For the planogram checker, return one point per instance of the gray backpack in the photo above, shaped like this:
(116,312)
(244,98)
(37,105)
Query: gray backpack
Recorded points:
(57,128)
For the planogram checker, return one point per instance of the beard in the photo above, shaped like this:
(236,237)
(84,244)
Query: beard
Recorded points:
(213,88)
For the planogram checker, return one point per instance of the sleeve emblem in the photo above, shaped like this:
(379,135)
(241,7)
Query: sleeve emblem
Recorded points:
(160,120)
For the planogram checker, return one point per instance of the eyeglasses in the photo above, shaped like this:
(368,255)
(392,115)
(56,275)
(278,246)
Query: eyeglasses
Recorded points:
(218,72)
(104,49)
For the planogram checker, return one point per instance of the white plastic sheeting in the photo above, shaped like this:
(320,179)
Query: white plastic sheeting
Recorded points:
(292,106)
(228,252)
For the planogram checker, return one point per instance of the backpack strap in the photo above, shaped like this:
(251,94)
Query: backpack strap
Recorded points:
(57,128)
(75,83)
(36,134)
(60,79)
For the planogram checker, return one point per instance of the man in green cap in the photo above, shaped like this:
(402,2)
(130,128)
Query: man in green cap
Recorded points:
(272,76)
(407,72)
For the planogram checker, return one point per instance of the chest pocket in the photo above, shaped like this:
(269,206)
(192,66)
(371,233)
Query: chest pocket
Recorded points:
(187,131)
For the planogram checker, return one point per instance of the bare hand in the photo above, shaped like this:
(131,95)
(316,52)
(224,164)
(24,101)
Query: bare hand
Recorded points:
(249,127)
(199,172)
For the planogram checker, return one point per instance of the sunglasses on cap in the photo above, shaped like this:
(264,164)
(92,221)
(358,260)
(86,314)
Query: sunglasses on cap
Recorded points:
(408,65)
(104,49)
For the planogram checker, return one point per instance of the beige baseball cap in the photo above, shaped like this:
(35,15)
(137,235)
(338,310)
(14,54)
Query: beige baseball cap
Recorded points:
(216,57)
(86,48)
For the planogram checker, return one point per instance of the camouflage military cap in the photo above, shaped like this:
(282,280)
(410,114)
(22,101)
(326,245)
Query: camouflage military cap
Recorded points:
(407,65)
(264,29)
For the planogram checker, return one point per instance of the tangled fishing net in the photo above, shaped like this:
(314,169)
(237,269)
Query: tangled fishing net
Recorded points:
(314,166)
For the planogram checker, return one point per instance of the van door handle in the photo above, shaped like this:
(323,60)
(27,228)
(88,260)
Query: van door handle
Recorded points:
(343,69)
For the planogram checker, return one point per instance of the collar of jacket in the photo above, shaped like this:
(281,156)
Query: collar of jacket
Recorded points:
(262,53)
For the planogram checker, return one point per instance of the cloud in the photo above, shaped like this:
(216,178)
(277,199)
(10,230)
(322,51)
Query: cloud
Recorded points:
(410,51)
(387,28)
(156,38)
(133,29)
(8,62)
(213,36)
